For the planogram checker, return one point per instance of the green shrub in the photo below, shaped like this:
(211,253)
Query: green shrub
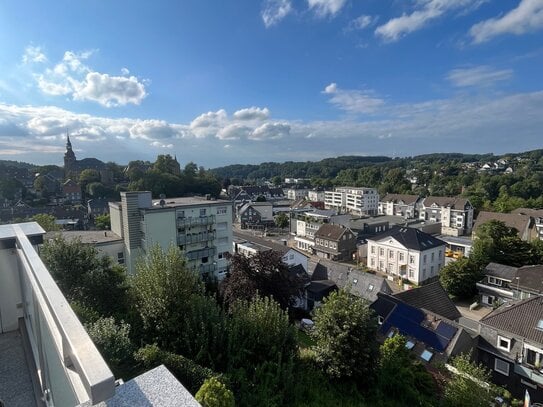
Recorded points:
(112,339)
(214,393)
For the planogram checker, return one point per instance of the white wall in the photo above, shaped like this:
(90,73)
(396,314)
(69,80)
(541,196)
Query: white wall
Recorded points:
(10,292)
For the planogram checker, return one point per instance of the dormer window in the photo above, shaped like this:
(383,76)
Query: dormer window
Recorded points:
(494,281)
(504,344)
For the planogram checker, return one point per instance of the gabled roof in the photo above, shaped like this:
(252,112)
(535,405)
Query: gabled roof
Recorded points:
(519,318)
(431,297)
(410,238)
(283,249)
(534,213)
(455,202)
(513,220)
(530,278)
(501,271)
(331,232)
(396,198)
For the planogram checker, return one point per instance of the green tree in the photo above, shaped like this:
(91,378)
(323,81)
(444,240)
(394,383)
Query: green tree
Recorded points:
(103,222)
(165,163)
(281,220)
(459,278)
(214,393)
(46,221)
(277,180)
(471,386)
(85,277)
(88,176)
(345,334)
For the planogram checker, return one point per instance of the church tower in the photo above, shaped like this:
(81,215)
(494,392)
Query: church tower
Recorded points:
(69,158)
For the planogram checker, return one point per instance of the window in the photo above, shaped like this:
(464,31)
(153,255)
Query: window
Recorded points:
(372,262)
(372,250)
(426,355)
(431,270)
(381,251)
(504,343)
(380,320)
(222,255)
(202,212)
(432,257)
(501,366)
(411,259)
(424,259)
(410,345)
(181,214)
(411,273)
(401,256)
(488,299)
(221,210)
(540,324)
(390,254)
(494,281)
(370,287)
(120,258)
(391,333)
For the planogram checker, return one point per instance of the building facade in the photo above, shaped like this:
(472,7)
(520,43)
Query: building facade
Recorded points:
(399,205)
(200,227)
(454,213)
(334,242)
(358,201)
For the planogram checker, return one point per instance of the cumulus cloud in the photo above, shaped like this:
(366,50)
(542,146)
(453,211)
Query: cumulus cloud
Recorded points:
(154,130)
(160,145)
(270,131)
(33,54)
(352,100)
(527,17)
(425,11)
(274,11)
(325,8)
(71,76)
(478,76)
(252,113)
(361,22)
(233,131)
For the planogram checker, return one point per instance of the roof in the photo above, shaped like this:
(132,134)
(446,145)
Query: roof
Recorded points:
(535,213)
(329,231)
(188,201)
(87,236)
(281,248)
(520,318)
(396,198)
(431,297)
(322,287)
(501,271)
(410,238)
(455,202)
(513,220)
(28,228)
(359,283)
(531,278)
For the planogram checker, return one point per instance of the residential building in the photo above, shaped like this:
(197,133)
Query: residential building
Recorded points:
(253,192)
(536,216)
(503,283)
(71,191)
(454,213)
(359,201)
(399,205)
(335,242)
(296,193)
(256,214)
(519,221)
(199,226)
(47,357)
(306,225)
(315,195)
(406,253)
(511,345)
(97,207)
(431,337)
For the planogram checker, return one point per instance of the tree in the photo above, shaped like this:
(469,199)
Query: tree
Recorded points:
(165,163)
(277,181)
(103,222)
(281,220)
(471,386)
(260,198)
(85,277)
(46,221)
(265,274)
(416,386)
(214,393)
(88,176)
(459,278)
(345,334)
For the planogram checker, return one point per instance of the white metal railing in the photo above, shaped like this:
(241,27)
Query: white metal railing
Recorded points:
(70,368)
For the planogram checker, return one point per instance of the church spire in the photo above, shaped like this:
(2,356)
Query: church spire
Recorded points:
(68,142)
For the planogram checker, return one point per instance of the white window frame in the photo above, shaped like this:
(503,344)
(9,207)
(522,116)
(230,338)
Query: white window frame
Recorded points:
(498,369)
(380,320)
(504,348)
(495,281)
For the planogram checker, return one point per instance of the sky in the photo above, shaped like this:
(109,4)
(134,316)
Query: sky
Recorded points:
(248,81)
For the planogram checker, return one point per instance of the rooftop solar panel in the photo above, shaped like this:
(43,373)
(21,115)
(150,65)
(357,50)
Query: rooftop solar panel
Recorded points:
(446,330)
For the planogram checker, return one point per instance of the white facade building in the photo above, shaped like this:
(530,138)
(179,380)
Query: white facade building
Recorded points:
(359,201)
(454,213)
(200,227)
(407,253)
(315,196)
(296,193)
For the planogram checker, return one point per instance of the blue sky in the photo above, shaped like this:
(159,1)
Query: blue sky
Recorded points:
(226,81)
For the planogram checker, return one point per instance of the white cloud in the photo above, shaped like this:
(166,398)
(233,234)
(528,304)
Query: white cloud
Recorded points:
(208,124)
(33,54)
(353,101)
(361,22)
(274,11)
(233,131)
(478,76)
(426,11)
(527,17)
(227,146)
(269,131)
(160,145)
(72,76)
(325,8)
(125,71)
(252,113)
(155,130)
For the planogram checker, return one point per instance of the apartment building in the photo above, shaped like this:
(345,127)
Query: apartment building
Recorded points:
(199,226)
(315,195)
(454,213)
(359,201)
(399,205)
(297,193)
(407,253)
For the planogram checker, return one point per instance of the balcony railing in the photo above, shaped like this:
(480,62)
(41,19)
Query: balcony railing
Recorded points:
(192,222)
(529,372)
(70,369)
(196,238)
(200,254)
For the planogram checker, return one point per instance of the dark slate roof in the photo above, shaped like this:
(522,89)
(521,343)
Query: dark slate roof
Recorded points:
(501,271)
(384,305)
(520,318)
(283,249)
(321,288)
(298,271)
(329,231)
(359,283)
(431,297)
(405,198)
(454,202)
(410,238)
(531,278)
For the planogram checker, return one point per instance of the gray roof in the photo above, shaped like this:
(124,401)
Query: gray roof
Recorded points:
(431,297)
(513,220)
(359,283)
(396,198)
(501,271)
(332,232)
(278,247)
(86,236)
(455,202)
(519,318)
(410,238)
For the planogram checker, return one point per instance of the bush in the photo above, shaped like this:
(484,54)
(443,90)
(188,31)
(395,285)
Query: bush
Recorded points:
(191,374)
(214,393)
